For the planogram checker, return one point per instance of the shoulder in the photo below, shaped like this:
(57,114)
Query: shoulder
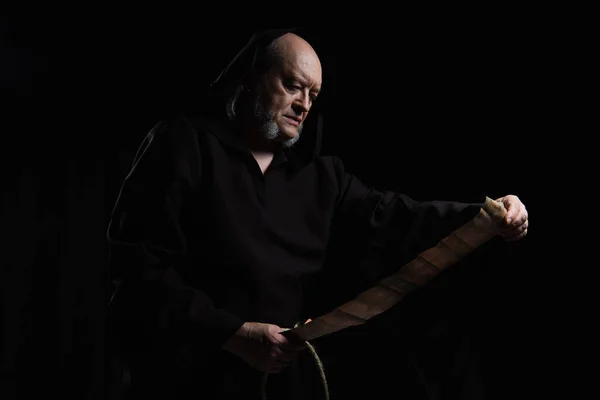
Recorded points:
(181,136)
(181,126)
(204,124)
(329,167)
(332,164)
(330,161)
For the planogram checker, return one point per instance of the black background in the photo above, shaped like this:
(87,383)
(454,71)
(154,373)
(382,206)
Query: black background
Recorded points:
(437,105)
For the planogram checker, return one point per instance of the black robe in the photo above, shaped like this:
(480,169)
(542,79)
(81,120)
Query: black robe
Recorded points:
(204,242)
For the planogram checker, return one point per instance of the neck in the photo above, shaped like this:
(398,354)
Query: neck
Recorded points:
(257,144)
(261,149)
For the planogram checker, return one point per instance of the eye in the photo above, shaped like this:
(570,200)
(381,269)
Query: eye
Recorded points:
(290,85)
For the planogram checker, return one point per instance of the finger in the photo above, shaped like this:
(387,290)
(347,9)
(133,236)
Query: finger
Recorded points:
(517,227)
(515,209)
(295,345)
(511,216)
(521,216)
(282,354)
(287,343)
(517,221)
(516,236)
(523,226)
(514,231)
(290,342)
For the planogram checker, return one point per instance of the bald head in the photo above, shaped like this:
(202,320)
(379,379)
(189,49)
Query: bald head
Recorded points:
(292,50)
(286,81)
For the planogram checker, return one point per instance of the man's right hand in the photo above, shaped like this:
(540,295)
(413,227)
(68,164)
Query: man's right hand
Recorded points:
(263,347)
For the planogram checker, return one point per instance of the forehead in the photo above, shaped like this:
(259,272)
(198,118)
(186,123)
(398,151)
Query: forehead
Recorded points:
(304,66)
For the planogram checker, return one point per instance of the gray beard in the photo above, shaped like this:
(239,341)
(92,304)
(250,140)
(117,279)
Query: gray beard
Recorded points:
(268,127)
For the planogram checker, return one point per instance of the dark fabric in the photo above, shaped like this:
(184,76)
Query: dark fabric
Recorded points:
(223,377)
(74,90)
(216,243)
(204,241)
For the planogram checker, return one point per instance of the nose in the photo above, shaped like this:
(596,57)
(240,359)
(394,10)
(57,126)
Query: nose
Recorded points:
(303,102)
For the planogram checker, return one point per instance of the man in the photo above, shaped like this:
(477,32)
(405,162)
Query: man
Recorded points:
(225,215)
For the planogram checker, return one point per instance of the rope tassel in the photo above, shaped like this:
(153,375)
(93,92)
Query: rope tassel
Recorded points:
(318,362)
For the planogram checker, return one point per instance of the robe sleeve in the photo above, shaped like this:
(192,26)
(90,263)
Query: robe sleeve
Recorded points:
(146,224)
(395,226)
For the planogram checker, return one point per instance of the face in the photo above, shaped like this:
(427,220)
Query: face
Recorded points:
(286,96)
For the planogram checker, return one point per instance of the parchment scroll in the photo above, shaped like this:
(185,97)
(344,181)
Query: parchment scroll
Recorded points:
(410,276)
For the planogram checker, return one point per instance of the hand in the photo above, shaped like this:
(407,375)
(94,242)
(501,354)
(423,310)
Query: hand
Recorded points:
(516,221)
(263,347)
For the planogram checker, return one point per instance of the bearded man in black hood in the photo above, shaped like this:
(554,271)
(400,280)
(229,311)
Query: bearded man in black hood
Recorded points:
(225,214)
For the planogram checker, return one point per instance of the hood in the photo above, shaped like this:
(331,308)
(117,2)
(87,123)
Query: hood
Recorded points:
(241,67)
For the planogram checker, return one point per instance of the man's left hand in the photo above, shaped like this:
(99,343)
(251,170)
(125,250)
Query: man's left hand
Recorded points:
(516,220)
